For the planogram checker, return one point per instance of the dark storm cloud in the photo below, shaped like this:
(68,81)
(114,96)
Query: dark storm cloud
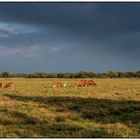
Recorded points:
(103,19)
(74,36)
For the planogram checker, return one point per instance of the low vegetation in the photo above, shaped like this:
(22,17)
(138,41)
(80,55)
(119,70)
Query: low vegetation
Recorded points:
(35,109)
(81,74)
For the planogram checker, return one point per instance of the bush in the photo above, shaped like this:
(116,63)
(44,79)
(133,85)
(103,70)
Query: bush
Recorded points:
(5,75)
(112,74)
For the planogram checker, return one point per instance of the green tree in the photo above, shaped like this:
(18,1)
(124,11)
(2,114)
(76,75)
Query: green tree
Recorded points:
(83,74)
(131,74)
(112,74)
(52,75)
(60,75)
(5,74)
(122,74)
(138,74)
(102,75)
(92,74)
(67,75)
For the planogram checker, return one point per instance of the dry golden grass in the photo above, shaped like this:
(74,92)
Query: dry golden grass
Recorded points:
(35,109)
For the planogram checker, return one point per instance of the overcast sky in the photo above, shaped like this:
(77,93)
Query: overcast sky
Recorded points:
(69,37)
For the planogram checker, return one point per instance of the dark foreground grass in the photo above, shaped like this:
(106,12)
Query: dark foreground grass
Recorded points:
(102,110)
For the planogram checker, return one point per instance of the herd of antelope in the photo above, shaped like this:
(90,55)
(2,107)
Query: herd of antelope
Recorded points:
(79,83)
(56,84)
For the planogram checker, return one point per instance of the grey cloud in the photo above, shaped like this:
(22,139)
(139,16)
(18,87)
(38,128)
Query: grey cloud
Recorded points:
(72,36)
(9,29)
(28,52)
(101,19)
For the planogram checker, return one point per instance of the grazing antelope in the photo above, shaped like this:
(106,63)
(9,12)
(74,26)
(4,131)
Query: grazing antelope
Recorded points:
(57,85)
(85,83)
(9,85)
(89,83)
(1,85)
(80,83)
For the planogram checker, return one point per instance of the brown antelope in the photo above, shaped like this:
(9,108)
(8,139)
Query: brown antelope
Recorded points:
(89,83)
(85,83)
(9,85)
(80,83)
(1,85)
(57,85)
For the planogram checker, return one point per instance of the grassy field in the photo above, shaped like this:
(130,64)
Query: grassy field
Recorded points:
(34,109)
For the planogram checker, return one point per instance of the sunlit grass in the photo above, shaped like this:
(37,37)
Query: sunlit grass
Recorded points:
(35,109)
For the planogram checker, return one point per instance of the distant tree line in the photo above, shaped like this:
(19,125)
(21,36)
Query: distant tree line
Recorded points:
(81,74)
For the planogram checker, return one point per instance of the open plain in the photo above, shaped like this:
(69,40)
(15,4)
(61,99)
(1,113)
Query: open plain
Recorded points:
(35,109)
